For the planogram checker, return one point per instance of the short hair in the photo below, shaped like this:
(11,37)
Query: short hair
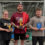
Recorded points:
(19,4)
(4,11)
(38,9)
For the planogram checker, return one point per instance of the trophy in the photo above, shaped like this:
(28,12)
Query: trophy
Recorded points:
(38,25)
(9,26)
(21,23)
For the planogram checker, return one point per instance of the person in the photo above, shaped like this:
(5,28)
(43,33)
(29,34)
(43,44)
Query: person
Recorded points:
(37,25)
(4,30)
(16,17)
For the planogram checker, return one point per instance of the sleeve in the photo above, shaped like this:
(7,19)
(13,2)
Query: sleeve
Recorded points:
(31,23)
(12,18)
(0,23)
(44,21)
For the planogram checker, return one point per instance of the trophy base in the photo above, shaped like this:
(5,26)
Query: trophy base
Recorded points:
(10,29)
(20,26)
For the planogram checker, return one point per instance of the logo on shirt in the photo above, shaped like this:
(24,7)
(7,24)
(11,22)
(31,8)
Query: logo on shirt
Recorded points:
(5,24)
(19,18)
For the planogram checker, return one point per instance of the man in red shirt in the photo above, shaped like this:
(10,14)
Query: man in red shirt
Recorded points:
(16,17)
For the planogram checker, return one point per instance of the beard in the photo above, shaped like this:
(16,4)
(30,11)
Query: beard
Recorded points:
(19,10)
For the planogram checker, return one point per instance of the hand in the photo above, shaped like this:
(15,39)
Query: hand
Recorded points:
(17,27)
(20,27)
(23,26)
(11,30)
(36,29)
(7,30)
(42,29)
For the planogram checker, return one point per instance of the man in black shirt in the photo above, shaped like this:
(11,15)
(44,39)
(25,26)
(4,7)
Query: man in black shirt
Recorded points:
(4,29)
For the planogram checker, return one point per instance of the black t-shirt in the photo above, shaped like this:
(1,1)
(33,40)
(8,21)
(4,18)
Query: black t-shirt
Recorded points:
(3,24)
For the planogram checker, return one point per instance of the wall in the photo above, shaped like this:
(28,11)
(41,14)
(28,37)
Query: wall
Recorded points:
(21,0)
(0,10)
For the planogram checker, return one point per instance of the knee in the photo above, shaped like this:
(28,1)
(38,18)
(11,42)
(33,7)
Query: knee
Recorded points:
(16,41)
(22,41)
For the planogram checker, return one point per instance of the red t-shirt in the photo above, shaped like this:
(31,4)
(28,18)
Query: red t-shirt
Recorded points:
(16,19)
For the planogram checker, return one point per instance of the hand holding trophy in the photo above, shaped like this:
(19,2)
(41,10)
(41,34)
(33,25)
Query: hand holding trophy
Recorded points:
(9,26)
(39,26)
(21,24)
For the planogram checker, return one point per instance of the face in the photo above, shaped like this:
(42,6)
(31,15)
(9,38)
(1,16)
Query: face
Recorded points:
(5,15)
(38,13)
(20,8)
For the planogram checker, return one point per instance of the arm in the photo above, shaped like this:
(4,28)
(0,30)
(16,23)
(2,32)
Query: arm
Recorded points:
(27,22)
(14,25)
(44,25)
(13,21)
(2,29)
(31,25)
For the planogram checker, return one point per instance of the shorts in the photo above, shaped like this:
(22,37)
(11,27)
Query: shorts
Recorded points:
(19,36)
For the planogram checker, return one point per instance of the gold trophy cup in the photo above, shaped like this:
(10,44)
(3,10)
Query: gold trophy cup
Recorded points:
(21,23)
(9,26)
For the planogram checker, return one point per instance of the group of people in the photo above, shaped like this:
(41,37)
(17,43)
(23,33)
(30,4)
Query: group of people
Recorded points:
(36,23)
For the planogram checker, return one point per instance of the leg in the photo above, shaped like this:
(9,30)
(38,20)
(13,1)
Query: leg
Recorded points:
(22,42)
(41,40)
(16,38)
(22,37)
(34,40)
(7,42)
(16,42)
(2,42)
(0,39)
